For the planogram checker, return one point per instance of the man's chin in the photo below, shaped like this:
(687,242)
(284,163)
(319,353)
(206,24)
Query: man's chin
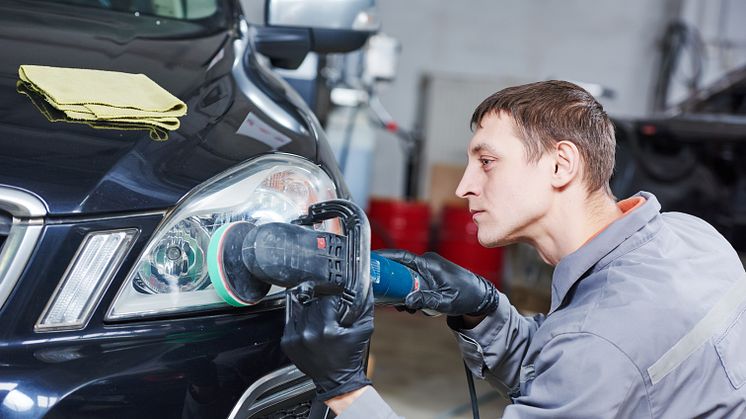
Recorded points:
(491,242)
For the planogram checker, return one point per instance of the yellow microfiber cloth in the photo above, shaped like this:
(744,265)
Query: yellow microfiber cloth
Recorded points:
(105,98)
(56,115)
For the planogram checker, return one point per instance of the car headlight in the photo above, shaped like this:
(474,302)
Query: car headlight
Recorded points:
(171,273)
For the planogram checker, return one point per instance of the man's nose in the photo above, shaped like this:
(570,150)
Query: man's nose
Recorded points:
(466,186)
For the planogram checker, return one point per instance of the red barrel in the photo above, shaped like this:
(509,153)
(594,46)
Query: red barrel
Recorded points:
(396,224)
(457,242)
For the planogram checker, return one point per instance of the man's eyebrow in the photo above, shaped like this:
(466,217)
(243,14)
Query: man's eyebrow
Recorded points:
(482,147)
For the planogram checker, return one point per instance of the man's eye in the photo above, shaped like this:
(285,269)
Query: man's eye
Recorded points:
(485,162)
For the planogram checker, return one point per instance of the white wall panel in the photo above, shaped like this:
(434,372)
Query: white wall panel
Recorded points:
(609,42)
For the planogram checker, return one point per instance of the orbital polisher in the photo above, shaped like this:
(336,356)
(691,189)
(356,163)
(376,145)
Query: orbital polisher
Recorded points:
(246,259)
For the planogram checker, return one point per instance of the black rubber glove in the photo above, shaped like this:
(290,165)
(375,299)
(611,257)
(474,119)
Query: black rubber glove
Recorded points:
(449,288)
(332,355)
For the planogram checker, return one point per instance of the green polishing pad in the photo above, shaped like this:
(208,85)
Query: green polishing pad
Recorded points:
(229,275)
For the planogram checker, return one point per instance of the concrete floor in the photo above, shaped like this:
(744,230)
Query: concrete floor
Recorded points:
(418,370)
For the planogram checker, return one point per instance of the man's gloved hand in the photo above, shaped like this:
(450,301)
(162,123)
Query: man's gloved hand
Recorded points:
(449,288)
(332,355)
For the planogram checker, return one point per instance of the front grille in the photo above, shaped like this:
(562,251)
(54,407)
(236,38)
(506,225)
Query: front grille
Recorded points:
(21,221)
(6,221)
(295,412)
(284,393)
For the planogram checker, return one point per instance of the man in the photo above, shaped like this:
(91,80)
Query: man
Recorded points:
(648,311)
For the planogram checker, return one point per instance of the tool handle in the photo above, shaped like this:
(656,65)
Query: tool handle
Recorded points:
(392,281)
(357,230)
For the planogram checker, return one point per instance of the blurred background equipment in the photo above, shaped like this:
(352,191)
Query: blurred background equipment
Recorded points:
(692,162)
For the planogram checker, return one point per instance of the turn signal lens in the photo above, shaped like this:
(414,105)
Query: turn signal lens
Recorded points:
(95,263)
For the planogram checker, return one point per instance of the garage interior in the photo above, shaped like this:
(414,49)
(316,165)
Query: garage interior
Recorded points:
(671,74)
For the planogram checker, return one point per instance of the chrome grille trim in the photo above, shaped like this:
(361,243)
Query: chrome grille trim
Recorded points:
(21,204)
(28,213)
(250,403)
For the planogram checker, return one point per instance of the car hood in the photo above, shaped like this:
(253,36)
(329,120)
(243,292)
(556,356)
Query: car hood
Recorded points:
(76,169)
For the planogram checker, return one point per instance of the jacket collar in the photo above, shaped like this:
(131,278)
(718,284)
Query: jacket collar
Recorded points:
(574,266)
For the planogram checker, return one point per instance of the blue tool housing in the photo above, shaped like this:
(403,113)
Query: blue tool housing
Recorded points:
(391,281)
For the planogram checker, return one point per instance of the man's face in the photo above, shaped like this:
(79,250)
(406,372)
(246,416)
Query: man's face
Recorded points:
(507,196)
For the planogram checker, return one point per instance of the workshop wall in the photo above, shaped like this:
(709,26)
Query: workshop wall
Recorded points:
(607,42)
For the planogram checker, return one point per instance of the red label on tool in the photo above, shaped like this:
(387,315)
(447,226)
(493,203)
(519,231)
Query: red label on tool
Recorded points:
(321,242)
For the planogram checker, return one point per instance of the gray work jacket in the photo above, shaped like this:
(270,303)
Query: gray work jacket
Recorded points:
(647,320)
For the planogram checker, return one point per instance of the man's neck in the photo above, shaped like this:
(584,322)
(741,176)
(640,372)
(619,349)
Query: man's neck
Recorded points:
(576,218)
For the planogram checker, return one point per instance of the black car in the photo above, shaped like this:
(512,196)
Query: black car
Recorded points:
(106,308)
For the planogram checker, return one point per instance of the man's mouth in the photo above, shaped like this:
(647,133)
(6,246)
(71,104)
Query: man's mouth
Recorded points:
(475,213)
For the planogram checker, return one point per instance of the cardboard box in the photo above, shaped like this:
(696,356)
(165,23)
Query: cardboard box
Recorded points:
(444,178)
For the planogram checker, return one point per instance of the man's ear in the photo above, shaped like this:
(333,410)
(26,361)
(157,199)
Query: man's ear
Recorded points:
(566,164)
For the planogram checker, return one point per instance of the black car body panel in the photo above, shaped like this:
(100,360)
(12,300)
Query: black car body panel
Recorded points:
(195,366)
(190,365)
(76,169)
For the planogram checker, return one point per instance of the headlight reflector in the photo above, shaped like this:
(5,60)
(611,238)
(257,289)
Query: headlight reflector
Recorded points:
(177,261)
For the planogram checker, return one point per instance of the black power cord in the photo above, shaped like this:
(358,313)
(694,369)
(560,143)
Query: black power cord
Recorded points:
(472,392)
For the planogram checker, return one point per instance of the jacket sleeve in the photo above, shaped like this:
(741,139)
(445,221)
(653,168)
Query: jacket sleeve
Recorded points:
(580,375)
(369,405)
(495,348)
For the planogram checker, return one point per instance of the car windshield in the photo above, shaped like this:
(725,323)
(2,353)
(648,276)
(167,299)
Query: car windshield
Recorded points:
(186,10)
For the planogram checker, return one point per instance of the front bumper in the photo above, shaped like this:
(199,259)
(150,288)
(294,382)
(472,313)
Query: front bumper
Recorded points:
(195,365)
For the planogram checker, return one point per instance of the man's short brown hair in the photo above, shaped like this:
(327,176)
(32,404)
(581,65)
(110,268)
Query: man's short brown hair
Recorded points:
(549,111)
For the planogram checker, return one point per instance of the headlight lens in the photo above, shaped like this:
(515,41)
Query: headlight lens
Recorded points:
(171,274)
(177,261)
